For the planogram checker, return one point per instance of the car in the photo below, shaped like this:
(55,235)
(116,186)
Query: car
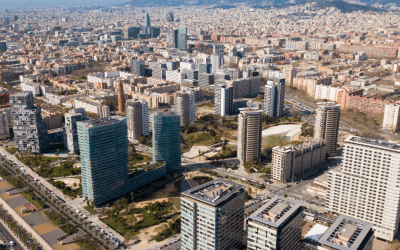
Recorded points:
(12,243)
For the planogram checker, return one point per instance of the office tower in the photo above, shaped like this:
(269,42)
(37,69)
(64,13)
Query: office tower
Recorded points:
(186,107)
(145,116)
(215,63)
(367,186)
(219,50)
(276,225)
(175,35)
(138,67)
(347,233)
(391,118)
(30,132)
(4,129)
(274,97)
(134,116)
(104,160)
(70,130)
(3,46)
(297,162)
(170,17)
(182,38)
(167,139)
(205,68)
(147,20)
(326,127)
(133,32)
(223,101)
(121,99)
(249,135)
(213,215)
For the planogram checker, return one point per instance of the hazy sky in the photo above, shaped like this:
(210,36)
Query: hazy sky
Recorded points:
(56,3)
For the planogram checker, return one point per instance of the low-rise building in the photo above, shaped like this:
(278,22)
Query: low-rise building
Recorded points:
(93,107)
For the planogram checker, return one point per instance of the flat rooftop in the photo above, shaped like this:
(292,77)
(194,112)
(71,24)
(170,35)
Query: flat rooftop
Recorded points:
(354,230)
(102,121)
(276,211)
(373,142)
(213,192)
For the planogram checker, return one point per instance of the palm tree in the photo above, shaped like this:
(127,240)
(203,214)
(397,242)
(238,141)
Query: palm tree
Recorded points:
(132,194)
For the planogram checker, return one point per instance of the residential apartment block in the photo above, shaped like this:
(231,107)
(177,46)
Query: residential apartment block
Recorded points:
(367,186)
(326,126)
(391,118)
(276,225)
(186,107)
(212,216)
(249,135)
(223,101)
(4,129)
(92,107)
(274,97)
(70,130)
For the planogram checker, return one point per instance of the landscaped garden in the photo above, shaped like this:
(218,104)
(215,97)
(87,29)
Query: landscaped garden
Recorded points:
(32,198)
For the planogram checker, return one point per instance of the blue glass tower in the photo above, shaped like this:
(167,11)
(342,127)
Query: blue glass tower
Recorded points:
(147,20)
(167,139)
(182,38)
(104,157)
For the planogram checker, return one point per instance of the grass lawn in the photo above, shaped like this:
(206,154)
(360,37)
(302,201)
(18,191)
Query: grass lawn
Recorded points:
(177,202)
(36,161)
(55,217)
(32,198)
(197,138)
(91,211)
(139,158)
(11,150)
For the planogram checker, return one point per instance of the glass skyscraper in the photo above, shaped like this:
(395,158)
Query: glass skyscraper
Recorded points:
(167,139)
(182,38)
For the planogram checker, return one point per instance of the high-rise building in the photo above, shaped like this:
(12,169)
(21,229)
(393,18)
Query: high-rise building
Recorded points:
(133,32)
(182,38)
(134,116)
(391,118)
(326,125)
(249,135)
(170,17)
(175,35)
(167,139)
(147,20)
(347,233)
(138,67)
(223,101)
(4,129)
(274,97)
(186,107)
(104,160)
(213,215)
(219,50)
(215,63)
(3,46)
(297,162)
(145,116)
(70,130)
(289,73)
(276,225)
(30,132)
(367,185)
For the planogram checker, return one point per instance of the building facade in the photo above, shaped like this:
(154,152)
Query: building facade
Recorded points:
(212,216)
(30,132)
(70,130)
(134,116)
(218,49)
(367,186)
(223,101)
(4,129)
(326,127)
(391,118)
(167,139)
(92,107)
(276,225)
(186,107)
(274,97)
(249,135)
(182,38)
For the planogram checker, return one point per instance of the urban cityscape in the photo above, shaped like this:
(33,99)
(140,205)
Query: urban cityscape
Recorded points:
(196,126)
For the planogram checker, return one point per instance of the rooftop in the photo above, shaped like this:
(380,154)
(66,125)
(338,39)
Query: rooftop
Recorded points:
(102,121)
(276,211)
(346,233)
(213,192)
(373,142)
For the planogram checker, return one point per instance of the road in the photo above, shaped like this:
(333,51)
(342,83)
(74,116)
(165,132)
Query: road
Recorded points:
(9,237)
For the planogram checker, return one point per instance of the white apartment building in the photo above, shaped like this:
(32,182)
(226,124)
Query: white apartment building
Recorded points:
(391,117)
(175,76)
(55,99)
(145,116)
(35,88)
(276,225)
(329,93)
(274,97)
(186,107)
(368,185)
(187,65)
(4,129)
(326,126)
(249,135)
(92,107)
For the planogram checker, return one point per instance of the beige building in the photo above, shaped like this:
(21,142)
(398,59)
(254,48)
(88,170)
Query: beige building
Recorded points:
(367,186)
(134,119)
(326,127)
(186,107)
(294,162)
(249,135)
(52,119)
(276,225)
(391,119)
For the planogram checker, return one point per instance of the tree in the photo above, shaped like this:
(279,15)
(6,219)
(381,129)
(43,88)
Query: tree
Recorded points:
(57,153)
(85,223)
(132,194)
(285,195)
(108,242)
(199,154)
